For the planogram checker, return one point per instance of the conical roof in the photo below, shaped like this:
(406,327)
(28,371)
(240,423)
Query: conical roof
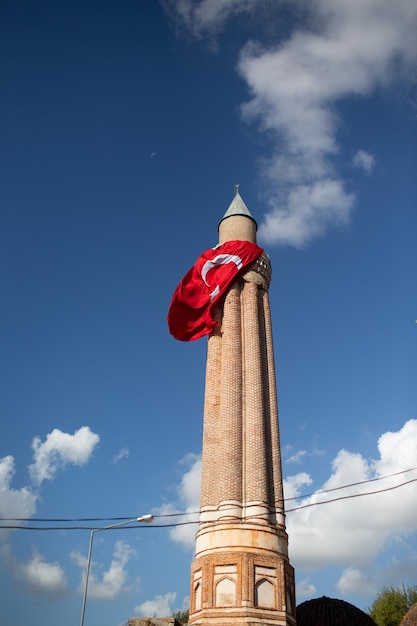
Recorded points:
(410,618)
(331,612)
(237,207)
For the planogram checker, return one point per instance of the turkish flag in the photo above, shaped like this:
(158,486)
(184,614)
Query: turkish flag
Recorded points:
(190,314)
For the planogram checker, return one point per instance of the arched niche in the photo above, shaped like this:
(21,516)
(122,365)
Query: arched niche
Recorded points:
(265,594)
(225,592)
(197,597)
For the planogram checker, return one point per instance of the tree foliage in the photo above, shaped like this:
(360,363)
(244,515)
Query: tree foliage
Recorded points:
(181,616)
(391,604)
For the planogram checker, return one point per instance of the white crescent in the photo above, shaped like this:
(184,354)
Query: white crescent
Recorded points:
(220,259)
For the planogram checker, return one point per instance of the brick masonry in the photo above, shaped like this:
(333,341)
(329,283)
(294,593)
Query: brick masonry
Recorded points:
(241,573)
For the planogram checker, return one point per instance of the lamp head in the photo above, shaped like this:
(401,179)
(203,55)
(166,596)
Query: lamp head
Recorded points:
(145,518)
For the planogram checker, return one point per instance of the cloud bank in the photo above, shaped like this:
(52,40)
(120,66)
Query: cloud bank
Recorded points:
(349,49)
(349,534)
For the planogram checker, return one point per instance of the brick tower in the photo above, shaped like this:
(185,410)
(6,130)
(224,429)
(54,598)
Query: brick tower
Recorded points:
(241,572)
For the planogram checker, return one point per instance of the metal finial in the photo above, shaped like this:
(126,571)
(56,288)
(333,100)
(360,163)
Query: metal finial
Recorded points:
(236,188)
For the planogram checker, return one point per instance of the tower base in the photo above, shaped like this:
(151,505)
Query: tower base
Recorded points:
(239,588)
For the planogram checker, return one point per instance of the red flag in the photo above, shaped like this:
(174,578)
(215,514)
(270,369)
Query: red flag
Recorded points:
(190,314)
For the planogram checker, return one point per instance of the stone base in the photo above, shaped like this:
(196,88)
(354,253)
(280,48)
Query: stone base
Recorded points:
(239,588)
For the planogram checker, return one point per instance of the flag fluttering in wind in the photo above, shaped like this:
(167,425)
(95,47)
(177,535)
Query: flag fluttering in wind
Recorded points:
(190,314)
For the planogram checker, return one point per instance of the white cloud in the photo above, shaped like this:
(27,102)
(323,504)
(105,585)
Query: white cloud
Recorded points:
(189,489)
(297,457)
(398,449)
(160,606)
(354,580)
(352,532)
(14,503)
(306,213)
(293,485)
(58,450)
(122,454)
(36,575)
(345,49)
(206,17)
(349,533)
(364,161)
(305,589)
(367,582)
(189,495)
(354,48)
(188,492)
(112,582)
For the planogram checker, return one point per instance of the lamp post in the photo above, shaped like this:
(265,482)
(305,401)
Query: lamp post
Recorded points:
(144,518)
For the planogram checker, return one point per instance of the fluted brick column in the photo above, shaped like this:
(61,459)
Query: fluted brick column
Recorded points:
(230,425)
(241,574)
(255,476)
(211,489)
(273,442)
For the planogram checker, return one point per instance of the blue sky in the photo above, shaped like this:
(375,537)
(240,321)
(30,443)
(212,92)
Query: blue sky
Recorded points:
(124,127)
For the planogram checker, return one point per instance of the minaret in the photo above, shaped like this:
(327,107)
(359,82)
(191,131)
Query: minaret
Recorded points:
(241,573)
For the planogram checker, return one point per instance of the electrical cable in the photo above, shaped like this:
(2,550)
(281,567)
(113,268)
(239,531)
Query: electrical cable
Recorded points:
(361,482)
(115,519)
(302,506)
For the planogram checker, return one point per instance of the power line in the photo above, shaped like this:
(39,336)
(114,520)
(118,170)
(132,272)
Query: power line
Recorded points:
(353,495)
(180,514)
(361,482)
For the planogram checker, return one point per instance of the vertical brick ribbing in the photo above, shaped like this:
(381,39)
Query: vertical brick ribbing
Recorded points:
(241,485)
(230,460)
(211,489)
(268,402)
(241,574)
(275,465)
(255,459)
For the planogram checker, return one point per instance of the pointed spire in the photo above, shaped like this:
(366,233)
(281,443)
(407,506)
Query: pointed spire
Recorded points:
(237,207)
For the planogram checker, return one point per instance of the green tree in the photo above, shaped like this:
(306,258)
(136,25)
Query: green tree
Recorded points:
(391,604)
(181,616)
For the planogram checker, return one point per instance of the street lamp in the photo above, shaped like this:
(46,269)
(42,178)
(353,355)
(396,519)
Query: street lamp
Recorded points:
(144,518)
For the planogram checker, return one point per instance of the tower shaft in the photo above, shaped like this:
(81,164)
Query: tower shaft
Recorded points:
(241,572)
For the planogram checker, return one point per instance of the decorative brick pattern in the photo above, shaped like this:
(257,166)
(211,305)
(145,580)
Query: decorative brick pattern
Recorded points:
(241,573)
(211,489)
(245,570)
(230,425)
(256,488)
(273,443)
